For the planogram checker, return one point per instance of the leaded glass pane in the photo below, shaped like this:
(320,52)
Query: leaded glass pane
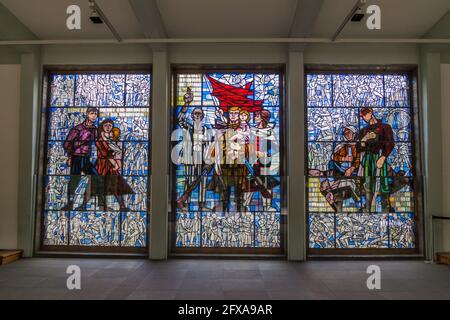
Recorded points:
(94,228)
(57,159)
(267,227)
(267,89)
(62,120)
(134,232)
(194,83)
(397,90)
(56,226)
(135,159)
(319,155)
(321,230)
(401,230)
(188,229)
(138,90)
(327,124)
(399,119)
(361,231)
(62,89)
(350,90)
(228,229)
(318,90)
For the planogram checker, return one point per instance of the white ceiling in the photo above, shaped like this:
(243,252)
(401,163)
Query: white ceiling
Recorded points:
(47,18)
(399,18)
(227,18)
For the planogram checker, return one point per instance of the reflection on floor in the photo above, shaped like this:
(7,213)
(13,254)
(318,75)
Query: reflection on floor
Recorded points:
(45,278)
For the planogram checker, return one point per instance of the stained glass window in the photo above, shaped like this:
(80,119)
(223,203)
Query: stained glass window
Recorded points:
(97,160)
(227,160)
(360,184)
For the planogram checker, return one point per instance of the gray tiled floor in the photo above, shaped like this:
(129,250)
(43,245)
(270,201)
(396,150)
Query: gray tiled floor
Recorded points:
(45,278)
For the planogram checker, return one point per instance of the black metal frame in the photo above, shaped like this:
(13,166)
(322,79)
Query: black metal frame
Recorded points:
(43,160)
(183,69)
(411,72)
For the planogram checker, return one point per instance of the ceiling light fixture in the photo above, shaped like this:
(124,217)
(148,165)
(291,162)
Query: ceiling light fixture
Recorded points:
(94,17)
(358,15)
(98,17)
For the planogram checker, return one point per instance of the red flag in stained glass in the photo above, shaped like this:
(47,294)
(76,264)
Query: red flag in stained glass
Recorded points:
(231,96)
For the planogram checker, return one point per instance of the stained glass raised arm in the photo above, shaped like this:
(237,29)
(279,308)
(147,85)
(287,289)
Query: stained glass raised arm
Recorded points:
(360,161)
(96,173)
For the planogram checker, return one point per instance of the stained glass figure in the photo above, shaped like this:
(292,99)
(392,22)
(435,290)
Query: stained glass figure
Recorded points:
(267,231)
(350,90)
(318,90)
(62,90)
(361,230)
(360,161)
(402,230)
(321,230)
(397,90)
(97,160)
(56,226)
(227,160)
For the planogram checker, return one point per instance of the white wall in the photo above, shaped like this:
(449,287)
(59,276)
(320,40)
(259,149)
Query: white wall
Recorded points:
(96,54)
(445,91)
(9,137)
(367,54)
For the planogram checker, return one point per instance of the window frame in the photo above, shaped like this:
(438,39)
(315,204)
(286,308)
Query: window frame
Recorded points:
(412,72)
(177,69)
(49,70)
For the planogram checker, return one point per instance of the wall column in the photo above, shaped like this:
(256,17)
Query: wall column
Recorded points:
(159,189)
(432,142)
(296,154)
(28,124)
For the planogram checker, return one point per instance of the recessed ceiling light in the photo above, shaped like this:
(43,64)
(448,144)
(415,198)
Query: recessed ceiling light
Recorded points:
(358,15)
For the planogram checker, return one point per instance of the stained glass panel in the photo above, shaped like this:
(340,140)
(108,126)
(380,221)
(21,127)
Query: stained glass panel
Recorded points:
(400,159)
(188,229)
(319,154)
(192,81)
(133,123)
(401,230)
(94,228)
(134,232)
(62,90)
(138,90)
(350,90)
(318,90)
(327,124)
(267,230)
(227,160)
(62,119)
(361,231)
(399,119)
(267,89)
(321,230)
(333,194)
(97,160)
(135,159)
(56,226)
(397,90)
(228,229)
(360,161)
